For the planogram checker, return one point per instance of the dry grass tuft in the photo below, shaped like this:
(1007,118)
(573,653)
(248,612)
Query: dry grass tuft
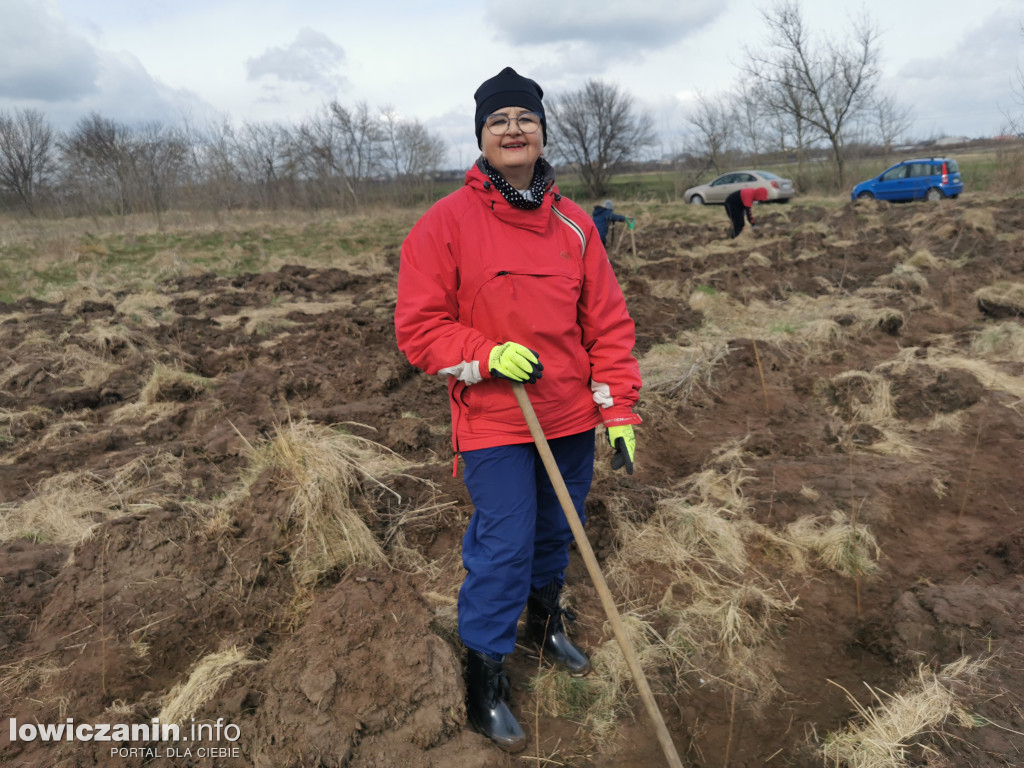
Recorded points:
(205,679)
(105,338)
(881,735)
(25,675)
(143,308)
(327,472)
(923,258)
(1004,294)
(66,507)
(723,631)
(75,297)
(979,219)
(599,699)
(837,543)
(1001,342)
(801,324)
(672,373)
(82,364)
(721,614)
(705,527)
(271,318)
(989,375)
(904,277)
(678,537)
(171,384)
(864,399)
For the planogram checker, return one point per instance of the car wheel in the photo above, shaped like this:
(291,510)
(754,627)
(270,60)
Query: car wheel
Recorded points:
(865,196)
(696,200)
(932,195)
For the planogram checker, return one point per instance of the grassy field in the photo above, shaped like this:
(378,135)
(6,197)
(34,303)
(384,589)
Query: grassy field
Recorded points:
(39,258)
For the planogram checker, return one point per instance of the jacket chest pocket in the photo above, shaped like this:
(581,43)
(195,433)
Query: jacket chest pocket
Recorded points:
(529,304)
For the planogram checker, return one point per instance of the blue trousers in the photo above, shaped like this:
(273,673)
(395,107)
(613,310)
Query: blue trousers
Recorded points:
(518,537)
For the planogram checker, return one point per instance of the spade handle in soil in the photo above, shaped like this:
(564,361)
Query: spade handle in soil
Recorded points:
(595,574)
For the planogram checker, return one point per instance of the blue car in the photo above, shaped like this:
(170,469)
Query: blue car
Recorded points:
(931,178)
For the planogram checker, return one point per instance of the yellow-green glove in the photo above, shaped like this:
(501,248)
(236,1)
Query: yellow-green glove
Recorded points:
(516,362)
(624,442)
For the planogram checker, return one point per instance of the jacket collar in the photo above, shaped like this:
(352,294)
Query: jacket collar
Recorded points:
(477,179)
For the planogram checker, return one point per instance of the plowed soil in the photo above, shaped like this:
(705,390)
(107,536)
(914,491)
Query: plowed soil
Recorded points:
(360,668)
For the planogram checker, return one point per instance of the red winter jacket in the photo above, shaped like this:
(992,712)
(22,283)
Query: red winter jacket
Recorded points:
(749,194)
(476,272)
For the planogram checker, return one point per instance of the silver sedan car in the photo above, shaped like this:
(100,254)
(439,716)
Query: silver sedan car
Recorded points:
(779,189)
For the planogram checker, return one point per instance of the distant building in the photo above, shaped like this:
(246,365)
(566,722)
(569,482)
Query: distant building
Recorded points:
(945,141)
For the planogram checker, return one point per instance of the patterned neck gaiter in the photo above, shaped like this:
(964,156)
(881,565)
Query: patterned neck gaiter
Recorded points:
(512,195)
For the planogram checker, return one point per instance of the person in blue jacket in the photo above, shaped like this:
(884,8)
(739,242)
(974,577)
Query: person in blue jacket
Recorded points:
(603,216)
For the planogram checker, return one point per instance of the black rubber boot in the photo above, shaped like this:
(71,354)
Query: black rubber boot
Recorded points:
(487,690)
(545,629)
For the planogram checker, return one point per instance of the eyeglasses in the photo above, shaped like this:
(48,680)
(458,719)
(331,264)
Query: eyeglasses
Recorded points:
(499,124)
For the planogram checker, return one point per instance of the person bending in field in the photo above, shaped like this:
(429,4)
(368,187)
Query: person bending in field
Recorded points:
(740,203)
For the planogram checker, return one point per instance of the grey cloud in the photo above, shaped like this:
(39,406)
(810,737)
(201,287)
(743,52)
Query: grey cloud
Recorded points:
(125,92)
(624,33)
(131,94)
(312,59)
(989,51)
(41,59)
(978,68)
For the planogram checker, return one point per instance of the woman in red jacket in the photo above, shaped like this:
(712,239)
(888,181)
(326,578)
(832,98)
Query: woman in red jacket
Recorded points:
(741,202)
(506,280)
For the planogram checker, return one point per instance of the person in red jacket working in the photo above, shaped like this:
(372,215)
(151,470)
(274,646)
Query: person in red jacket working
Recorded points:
(505,280)
(741,202)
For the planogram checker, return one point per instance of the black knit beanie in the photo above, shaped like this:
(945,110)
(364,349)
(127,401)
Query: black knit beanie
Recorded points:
(508,89)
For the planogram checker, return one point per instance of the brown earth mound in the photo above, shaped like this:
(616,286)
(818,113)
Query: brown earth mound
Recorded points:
(859,372)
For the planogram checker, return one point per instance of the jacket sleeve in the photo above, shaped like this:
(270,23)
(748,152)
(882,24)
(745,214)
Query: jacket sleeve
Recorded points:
(427,323)
(609,336)
(618,217)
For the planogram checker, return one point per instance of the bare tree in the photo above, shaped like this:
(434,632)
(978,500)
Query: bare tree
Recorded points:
(360,138)
(785,106)
(317,156)
(828,87)
(260,151)
(159,158)
(409,150)
(714,125)
(218,180)
(888,119)
(597,128)
(26,154)
(97,162)
(750,117)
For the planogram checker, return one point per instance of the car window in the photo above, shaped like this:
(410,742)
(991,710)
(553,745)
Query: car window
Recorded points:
(726,179)
(899,172)
(951,166)
(742,177)
(921,169)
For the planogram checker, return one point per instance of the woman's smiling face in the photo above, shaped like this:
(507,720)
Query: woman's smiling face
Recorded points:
(514,153)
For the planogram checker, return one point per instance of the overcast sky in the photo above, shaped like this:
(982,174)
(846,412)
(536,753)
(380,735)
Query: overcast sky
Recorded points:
(952,62)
